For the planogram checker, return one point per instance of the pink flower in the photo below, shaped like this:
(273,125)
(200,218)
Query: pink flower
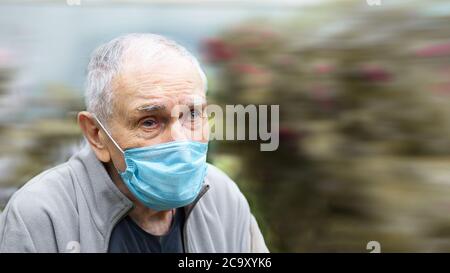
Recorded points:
(247,68)
(323,68)
(442,88)
(6,57)
(436,50)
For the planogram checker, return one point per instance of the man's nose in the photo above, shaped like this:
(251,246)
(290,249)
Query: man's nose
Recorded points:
(177,132)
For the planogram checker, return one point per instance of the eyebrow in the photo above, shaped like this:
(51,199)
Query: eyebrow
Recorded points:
(151,108)
(159,107)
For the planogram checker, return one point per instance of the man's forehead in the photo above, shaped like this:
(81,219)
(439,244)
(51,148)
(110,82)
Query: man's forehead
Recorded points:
(167,82)
(165,68)
(159,81)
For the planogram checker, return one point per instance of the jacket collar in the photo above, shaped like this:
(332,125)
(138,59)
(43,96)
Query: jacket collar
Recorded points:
(107,204)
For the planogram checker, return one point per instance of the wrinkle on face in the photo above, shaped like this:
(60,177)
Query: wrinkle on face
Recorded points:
(142,82)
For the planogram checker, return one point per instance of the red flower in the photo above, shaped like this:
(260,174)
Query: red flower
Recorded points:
(217,50)
(288,135)
(375,73)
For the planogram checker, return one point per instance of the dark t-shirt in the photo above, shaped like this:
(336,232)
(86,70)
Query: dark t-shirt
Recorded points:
(128,237)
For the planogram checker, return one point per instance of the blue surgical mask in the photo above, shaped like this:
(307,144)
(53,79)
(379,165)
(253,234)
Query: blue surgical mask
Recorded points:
(164,176)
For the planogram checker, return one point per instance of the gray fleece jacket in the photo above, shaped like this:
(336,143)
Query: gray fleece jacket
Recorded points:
(74,207)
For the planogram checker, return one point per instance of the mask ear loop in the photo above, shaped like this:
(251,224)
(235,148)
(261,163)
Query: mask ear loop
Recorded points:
(107,133)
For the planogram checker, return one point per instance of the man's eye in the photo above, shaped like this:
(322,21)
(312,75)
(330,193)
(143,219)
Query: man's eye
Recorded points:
(194,114)
(150,123)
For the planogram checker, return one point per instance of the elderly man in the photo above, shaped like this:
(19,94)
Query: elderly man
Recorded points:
(142,183)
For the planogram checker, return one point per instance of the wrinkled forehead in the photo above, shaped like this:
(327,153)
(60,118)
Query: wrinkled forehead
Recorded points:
(165,79)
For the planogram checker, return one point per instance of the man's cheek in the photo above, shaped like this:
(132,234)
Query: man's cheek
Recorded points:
(118,160)
(205,136)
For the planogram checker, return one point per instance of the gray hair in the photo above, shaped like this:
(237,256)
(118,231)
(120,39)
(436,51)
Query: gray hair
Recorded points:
(105,63)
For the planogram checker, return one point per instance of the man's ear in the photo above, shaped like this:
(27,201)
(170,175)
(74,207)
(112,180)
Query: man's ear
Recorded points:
(94,136)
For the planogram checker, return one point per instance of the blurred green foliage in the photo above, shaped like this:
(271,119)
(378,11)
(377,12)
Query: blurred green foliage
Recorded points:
(364,125)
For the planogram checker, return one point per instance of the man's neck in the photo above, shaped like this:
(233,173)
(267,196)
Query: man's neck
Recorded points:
(152,221)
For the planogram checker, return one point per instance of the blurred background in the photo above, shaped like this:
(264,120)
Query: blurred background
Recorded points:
(363,89)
